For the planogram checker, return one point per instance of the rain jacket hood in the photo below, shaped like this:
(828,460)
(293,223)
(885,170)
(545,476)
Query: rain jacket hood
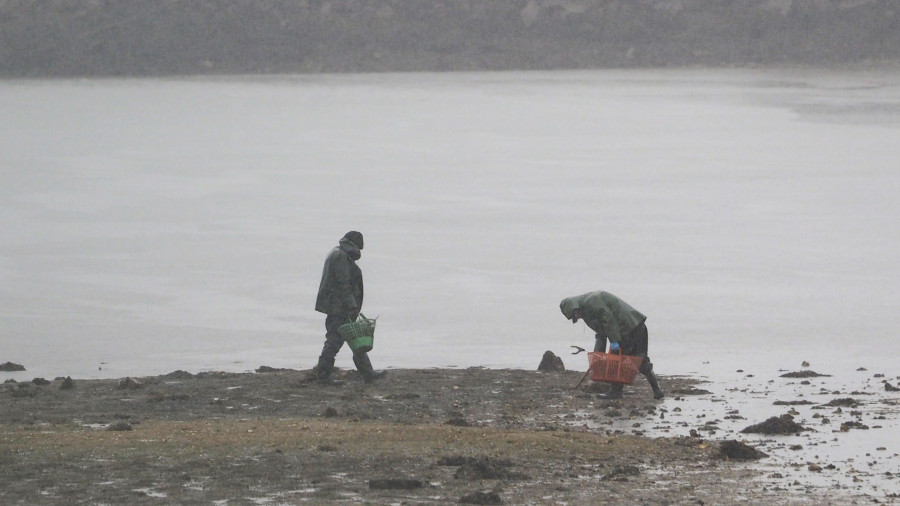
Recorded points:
(350,249)
(606,314)
(569,305)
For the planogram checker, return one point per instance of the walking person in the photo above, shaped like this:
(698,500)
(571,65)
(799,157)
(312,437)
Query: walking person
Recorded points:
(613,319)
(340,298)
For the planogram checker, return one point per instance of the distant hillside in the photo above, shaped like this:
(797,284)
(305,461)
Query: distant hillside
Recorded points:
(164,37)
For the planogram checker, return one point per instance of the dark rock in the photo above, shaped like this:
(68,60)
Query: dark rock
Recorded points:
(803,374)
(67,384)
(482,497)
(792,403)
(129,383)
(890,388)
(845,402)
(550,362)
(177,375)
(330,412)
(395,484)
(846,426)
(11,367)
(41,382)
(783,424)
(735,450)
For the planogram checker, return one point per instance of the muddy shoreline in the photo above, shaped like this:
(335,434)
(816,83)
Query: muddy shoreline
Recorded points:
(418,436)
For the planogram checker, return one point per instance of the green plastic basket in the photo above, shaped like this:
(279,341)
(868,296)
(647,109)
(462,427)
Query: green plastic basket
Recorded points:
(359,335)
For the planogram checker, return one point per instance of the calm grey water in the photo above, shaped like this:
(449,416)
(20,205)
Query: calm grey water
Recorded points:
(153,225)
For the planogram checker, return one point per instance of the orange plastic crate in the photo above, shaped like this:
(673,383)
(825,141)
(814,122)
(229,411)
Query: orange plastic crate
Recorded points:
(613,368)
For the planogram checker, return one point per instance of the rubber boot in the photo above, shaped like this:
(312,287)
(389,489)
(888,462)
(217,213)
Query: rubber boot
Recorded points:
(323,372)
(614,392)
(654,384)
(364,366)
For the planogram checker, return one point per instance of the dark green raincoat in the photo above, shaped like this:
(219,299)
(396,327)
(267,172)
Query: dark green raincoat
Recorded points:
(606,314)
(341,288)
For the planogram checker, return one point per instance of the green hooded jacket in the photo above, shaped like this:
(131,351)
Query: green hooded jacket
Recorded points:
(606,314)
(341,288)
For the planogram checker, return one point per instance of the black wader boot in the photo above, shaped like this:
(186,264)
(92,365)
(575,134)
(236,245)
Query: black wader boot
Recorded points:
(323,372)
(364,366)
(654,384)
(647,370)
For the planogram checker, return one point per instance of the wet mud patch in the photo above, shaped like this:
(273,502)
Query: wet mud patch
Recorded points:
(395,484)
(482,468)
(621,473)
(482,497)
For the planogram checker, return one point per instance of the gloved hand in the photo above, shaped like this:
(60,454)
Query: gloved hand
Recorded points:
(613,347)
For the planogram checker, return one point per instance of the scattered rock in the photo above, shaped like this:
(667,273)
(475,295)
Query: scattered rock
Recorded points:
(67,383)
(41,382)
(805,364)
(177,375)
(550,362)
(803,374)
(735,450)
(816,468)
(481,497)
(845,402)
(129,383)
(783,424)
(120,427)
(890,388)
(395,484)
(11,367)
(792,403)
(846,426)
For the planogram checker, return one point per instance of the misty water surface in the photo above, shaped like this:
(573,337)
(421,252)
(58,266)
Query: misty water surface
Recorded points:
(152,225)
